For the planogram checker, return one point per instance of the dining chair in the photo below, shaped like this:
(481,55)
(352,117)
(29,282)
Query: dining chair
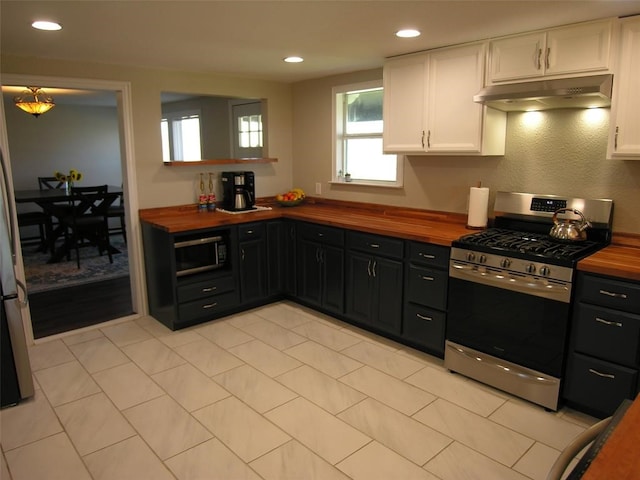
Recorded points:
(88,222)
(117,211)
(40,219)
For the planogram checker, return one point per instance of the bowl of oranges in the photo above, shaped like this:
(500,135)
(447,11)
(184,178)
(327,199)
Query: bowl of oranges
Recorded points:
(291,198)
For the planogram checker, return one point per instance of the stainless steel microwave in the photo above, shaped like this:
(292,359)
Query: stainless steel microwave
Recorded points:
(200,254)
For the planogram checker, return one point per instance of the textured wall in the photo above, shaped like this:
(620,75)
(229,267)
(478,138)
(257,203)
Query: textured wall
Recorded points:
(559,152)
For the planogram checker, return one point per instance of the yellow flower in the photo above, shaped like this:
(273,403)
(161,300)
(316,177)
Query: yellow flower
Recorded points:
(73,176)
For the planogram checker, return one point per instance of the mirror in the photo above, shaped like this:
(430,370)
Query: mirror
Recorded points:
(204,127)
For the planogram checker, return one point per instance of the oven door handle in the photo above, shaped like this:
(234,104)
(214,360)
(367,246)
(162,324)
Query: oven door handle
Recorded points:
(551,290)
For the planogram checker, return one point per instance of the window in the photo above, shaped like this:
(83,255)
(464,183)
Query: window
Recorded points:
(181,137)
(358,137)
(250,131)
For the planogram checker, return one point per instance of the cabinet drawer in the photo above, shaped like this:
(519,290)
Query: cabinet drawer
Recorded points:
(250,231)
(376,244)
(205,288)
(424,326)
(428,254)
(598,385)
(207,307)
(607,334)
(609,292)
(321,233)
(427,286)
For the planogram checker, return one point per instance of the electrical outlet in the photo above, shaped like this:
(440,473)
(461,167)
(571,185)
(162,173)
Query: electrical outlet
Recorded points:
(318,188)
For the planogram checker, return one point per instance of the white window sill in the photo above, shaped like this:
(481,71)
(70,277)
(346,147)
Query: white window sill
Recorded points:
(365,183)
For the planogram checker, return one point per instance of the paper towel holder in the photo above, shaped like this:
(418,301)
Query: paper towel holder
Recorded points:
(477,218)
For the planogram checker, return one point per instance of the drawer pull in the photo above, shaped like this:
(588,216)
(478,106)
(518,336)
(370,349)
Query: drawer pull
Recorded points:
(374,245)
(210,305)
(600,374)
(613,294)
(427,255)
(321,234)
(209,289)
(422,317)
(608,322)
(429,279)
(249,232)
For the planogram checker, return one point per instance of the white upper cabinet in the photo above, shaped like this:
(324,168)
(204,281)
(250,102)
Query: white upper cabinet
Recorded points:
(624,137)
(429,107)
(580,49)
(403,104)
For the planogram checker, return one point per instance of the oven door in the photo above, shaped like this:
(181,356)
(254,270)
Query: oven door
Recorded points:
(524,329)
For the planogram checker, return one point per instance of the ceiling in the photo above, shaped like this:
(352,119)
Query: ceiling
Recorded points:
(250,38)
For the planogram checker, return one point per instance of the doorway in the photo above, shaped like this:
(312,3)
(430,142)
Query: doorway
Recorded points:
(103,108)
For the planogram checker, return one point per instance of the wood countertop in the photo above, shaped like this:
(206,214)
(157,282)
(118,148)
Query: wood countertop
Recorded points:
(621,259)
(440,228)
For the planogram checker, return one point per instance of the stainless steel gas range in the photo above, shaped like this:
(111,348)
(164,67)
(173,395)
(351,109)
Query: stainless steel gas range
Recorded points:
(510,290)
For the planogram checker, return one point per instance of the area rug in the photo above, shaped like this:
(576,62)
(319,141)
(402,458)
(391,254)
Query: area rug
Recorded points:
(42,276)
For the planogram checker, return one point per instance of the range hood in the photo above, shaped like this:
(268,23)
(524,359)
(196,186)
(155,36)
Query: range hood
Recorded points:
(576,92)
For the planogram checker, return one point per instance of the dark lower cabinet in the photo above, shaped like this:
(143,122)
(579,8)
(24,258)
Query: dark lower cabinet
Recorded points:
(320,267)
(281,258)
(252,262)
(425,296)
(604,349)
(374,291)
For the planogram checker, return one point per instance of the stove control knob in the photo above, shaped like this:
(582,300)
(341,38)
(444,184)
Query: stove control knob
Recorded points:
(545,271)
(482,259)
(471,256)
(531,268)
(505,263)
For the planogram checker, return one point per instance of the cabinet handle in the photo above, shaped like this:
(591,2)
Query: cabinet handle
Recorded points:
(607,322)
(427,255)
(600,374)
(318,255)
(428,138)
(210,305)
(422,139)
(242,254)
(374,245)
(375,263)
(429,279)
(321,234)
(546,58)
(613,294)
(209,289)
(539,60)
(615,138)
(369,267)
(422,317)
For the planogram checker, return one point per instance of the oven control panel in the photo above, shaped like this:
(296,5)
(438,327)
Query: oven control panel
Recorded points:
(547,204)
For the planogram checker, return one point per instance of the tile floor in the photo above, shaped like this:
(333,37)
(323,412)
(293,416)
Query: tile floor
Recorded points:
(277,393)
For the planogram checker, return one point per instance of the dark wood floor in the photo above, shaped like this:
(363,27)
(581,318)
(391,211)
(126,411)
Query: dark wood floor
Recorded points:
(64,309)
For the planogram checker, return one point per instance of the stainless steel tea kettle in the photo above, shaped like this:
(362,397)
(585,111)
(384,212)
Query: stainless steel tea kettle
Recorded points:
(569,230)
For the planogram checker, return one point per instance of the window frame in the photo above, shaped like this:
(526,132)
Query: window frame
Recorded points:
(338,135)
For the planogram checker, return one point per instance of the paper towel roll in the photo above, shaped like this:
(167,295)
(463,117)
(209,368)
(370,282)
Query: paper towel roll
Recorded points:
(478,205)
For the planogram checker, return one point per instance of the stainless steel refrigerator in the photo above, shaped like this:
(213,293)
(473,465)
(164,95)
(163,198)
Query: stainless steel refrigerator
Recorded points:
(15,375)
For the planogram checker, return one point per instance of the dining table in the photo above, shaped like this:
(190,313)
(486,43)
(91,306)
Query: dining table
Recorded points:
(55,202)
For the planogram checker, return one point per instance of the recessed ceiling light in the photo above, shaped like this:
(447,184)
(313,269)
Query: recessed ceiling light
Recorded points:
(407,33)
(294,59)
(46,25)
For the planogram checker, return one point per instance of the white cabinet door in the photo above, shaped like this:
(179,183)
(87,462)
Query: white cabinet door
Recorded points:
(624,139)
(403,104)
(454,120)
(516,57)
(581,49)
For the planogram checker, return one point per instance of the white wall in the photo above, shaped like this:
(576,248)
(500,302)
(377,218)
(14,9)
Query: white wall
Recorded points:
(84,138)
(565,154)
(159,185)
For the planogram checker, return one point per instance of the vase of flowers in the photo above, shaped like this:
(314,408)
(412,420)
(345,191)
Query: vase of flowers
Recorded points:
(68,179)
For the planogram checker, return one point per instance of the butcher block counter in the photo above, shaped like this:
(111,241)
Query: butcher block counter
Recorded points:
(620,259)
(439,228)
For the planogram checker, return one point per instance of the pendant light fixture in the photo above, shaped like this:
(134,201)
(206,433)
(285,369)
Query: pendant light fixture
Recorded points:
(34,101)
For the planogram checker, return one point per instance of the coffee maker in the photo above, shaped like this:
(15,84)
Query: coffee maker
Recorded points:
(238,191)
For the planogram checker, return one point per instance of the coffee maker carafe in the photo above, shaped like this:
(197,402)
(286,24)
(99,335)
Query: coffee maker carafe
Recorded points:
(238,191)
